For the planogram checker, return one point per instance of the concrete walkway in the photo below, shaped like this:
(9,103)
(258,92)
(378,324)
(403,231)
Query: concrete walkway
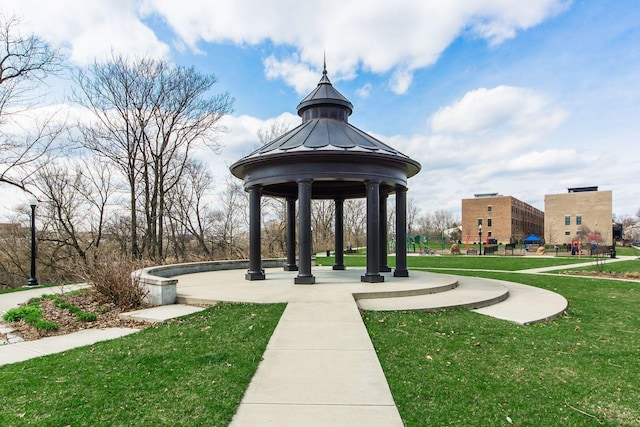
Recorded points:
(589,263)
(319,369)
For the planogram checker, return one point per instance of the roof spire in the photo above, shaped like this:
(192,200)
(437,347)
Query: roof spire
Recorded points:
(325,78)
(324,71)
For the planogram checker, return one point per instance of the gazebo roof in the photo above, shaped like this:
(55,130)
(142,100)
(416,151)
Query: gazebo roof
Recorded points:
(324,94)
(337,156)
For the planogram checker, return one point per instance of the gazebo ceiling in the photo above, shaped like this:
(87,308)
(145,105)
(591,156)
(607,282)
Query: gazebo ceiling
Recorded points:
(337,156)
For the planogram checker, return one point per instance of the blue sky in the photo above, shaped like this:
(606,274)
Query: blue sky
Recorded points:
(523,98)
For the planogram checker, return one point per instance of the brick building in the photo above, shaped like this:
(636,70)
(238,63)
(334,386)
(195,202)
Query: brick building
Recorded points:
(503,218)
(583,213)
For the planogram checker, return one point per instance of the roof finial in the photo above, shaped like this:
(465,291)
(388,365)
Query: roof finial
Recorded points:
(324,71)
(324,79)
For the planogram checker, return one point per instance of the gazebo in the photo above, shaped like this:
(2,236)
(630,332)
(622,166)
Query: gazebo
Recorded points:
(327,158)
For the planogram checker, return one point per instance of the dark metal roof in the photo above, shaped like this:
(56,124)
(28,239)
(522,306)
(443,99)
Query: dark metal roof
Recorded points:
(325,134)
(324,94)
(337,156)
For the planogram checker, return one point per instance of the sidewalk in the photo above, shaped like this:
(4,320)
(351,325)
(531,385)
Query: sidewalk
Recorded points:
(589,263)
(25,350)
(319,369)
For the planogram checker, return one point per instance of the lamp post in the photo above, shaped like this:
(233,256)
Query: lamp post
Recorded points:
(33,281)
(480,238)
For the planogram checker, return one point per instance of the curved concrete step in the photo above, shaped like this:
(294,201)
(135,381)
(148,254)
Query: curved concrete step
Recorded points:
(527,304)
(470,293)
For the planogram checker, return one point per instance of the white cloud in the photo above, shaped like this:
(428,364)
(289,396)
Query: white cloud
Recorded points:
(364,91)
(87,30)
(295,73)
(396,37)
(400,81)
(392,37)
(543,161)
(504,108)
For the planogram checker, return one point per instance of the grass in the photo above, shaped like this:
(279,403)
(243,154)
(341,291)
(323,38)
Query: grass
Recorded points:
(506,263)
(192,371)
(32,314)
(459,367)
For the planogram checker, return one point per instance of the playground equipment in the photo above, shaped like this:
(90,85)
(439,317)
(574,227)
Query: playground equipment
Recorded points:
(422,242)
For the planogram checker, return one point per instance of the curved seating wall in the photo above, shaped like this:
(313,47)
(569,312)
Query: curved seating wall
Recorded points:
(161,283)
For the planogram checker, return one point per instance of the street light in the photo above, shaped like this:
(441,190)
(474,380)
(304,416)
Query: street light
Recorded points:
(33,281)
(480,237)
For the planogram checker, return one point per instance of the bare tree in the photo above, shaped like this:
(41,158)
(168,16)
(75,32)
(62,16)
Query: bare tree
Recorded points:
(149,115)
(77,194)
(442,220)
(322,220)
(24,62)
(413,212)
(355,221)
(275,130)
(189,214)
(231,219)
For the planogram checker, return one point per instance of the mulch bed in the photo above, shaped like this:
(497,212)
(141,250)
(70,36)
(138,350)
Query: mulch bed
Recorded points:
(88,301)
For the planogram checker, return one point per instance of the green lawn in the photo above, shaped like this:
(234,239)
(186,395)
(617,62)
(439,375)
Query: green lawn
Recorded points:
(459,367)
(192,371)
(507,263)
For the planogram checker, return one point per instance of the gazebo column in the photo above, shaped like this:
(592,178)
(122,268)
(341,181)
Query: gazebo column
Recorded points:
(383,234)
(255,271)
(373,233)
(401,233)
(339,235)
(291,236)
(304,229)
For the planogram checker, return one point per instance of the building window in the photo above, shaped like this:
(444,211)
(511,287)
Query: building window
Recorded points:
(567,220)
(578,219)
(489,222)
(489,208)
(479,222)
(567,233)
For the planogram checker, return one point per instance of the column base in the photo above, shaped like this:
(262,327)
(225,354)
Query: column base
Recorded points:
(401,273)
(290,268)
(254,275)
(372,278)
(385,269)
(339,267)
(304,280)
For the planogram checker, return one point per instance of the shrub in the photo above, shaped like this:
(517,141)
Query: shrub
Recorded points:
(30,313)
(46,325)
(86,317)
(112,278)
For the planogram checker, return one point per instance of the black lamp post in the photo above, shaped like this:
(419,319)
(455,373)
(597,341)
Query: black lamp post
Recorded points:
(480,238)
(33,281)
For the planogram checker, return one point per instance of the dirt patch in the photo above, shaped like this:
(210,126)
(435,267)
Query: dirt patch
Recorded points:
(89,301)
(634,275)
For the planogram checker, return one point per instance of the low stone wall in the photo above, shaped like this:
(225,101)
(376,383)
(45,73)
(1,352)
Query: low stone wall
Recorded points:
(161,284)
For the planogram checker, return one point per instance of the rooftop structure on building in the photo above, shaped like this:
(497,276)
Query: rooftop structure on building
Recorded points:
(582,189)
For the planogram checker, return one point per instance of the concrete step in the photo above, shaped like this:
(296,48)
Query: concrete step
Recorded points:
(470,293)
(526,305)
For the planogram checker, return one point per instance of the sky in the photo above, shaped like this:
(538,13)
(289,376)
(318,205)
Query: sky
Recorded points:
(521,98)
